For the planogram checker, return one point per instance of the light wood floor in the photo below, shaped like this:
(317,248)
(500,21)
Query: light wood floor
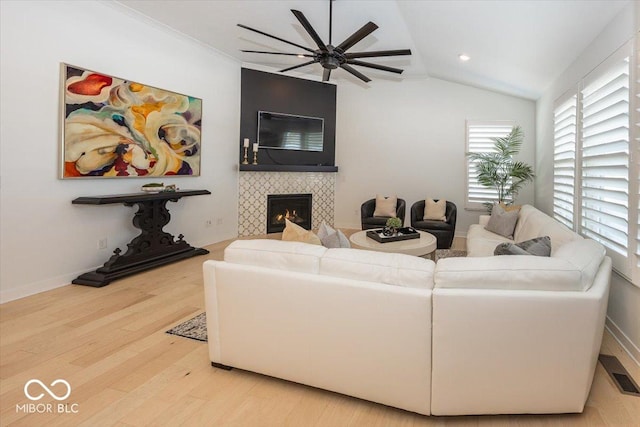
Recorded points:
(110,345)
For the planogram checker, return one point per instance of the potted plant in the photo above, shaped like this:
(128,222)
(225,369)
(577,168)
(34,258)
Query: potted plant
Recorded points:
(392,226)
(498,169)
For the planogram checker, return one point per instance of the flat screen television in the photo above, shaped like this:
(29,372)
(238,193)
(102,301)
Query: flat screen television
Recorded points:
(290,132)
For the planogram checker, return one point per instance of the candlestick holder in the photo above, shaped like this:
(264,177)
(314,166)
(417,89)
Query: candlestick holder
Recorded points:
(245,161)
(255,157)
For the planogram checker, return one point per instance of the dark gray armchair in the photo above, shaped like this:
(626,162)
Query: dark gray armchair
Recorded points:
(443,230)
(370,221)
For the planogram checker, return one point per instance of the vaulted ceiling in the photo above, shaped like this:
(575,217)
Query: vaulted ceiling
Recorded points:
(516,47)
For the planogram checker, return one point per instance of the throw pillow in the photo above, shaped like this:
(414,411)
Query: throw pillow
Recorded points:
(332,238)
(435,210)
(502,222)
(294,233)
(386,206)
(344,241)
(540,246)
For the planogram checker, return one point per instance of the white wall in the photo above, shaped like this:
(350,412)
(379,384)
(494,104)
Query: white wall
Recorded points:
(45,240)
(624,301)
(408,138)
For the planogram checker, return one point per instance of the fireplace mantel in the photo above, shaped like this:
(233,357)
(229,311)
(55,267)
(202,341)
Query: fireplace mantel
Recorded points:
(287,168)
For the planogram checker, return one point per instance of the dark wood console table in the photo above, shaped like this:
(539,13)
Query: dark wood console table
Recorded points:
(153,247)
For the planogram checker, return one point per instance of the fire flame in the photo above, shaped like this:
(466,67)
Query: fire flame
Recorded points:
(287,215)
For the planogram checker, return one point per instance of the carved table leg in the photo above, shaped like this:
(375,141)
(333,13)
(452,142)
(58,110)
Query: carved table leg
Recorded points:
(152,248)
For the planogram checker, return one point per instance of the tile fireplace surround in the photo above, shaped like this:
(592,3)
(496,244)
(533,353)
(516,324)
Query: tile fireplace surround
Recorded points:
(253,188)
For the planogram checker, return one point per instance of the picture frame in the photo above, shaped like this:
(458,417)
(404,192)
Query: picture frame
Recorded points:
(117,128)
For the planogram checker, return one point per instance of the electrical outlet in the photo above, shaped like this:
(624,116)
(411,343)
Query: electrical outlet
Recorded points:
(219,221)
(102,243)
(207,223)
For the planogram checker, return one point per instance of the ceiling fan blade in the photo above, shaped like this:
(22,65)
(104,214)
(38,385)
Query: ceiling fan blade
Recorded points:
(355,72)
(298,66)
(309,29)
(378,53)
(375,66)
(354,38)
(274,37)
(326,74)
(306,55)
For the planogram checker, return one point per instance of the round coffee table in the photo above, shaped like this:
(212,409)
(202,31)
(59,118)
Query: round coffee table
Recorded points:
(425,245)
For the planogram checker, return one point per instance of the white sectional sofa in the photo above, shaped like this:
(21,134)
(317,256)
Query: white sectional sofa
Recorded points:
(475,335)
(514,333)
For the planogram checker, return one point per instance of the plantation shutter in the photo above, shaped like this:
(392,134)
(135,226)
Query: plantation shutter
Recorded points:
(605,158)
(564,160)
(479,136)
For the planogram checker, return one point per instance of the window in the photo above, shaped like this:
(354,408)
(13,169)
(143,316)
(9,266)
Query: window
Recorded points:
(605,157)
(564,160)
(479,136)
(596,181)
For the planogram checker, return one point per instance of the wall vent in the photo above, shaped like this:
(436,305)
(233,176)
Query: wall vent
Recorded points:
(619,375)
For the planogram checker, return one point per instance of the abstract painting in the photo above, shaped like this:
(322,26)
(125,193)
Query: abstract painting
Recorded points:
(118,128)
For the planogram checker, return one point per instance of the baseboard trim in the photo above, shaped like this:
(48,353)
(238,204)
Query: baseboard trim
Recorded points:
(12,294)
(627,345)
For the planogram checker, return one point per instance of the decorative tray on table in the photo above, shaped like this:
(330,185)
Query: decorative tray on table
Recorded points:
(403,233)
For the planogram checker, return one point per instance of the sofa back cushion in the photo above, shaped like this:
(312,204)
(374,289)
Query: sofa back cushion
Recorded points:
(585,255)
(392,269)
(278,254)
(534,223)
(516,272)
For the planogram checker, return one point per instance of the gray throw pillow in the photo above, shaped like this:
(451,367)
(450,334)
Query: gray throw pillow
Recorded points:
(540,246)
(502,222)
(332,238)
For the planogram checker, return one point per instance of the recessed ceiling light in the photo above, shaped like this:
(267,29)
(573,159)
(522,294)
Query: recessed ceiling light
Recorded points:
(464,57)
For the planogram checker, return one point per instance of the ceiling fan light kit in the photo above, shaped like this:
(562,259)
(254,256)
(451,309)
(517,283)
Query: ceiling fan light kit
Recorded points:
(333,57)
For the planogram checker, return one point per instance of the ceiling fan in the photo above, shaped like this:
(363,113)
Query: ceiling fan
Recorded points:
(332,57)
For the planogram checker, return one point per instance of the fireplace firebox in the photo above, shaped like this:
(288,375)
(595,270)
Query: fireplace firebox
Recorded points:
(294,207)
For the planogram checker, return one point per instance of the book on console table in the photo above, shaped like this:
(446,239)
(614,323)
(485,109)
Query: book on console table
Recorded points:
(403,233)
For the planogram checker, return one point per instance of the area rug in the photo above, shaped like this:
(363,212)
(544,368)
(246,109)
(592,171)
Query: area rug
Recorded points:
(449,253)
(195,329)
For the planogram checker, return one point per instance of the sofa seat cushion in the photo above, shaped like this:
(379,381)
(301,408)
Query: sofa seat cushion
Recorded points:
(282,255)
(534,223)
(380,267)
(481,242)
(517,272)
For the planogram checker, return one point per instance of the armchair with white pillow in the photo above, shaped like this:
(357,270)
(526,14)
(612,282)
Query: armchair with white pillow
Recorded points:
(442,223)
(374,213)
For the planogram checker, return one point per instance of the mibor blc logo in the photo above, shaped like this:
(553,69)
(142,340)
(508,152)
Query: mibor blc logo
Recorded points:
(35,390)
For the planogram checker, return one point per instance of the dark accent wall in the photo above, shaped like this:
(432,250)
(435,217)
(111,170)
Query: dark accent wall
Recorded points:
(261,91)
